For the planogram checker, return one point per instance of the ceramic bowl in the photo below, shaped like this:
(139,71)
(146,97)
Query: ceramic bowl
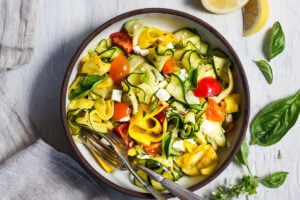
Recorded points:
(170,20)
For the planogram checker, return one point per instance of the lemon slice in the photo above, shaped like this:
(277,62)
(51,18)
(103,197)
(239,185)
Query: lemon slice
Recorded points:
(223,6)
(255,16)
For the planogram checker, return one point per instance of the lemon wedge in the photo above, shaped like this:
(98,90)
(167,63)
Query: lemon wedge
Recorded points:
(255,16)
(223,6)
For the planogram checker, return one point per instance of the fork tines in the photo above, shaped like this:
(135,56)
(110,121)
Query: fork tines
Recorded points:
(103,149)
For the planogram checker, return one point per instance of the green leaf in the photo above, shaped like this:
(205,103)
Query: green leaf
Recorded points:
(275,180)
(87,84)
(247,185)
(274,121)
(242,156)
(277,41)
(266,70)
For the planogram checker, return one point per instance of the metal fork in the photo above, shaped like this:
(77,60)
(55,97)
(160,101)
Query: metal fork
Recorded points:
(116,154)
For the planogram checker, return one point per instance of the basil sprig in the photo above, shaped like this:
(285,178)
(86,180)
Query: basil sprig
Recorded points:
(277,41)
(274,180)
(274,121)
(88,83)
(242,155)
(266,70)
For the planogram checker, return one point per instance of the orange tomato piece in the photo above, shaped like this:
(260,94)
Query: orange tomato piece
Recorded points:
(215,112)
(121,110)
(171,65)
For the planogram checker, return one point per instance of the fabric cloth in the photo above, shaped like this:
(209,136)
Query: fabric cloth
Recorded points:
(41,172)
(17,24)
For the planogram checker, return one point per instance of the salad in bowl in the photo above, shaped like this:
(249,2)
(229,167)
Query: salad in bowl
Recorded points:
(166,83)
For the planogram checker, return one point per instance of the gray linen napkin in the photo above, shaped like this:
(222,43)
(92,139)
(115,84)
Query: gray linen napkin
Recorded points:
(41,172)
(17,23)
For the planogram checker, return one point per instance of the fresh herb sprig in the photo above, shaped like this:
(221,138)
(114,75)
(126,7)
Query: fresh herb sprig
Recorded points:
(247,185)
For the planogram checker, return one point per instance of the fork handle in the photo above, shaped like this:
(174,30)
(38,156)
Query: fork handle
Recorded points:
(173,187)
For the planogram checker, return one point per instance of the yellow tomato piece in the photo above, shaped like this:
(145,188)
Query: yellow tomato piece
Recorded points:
(192,171)
(154,36)
(189,146)
(232,102)
(85,58)
(208,158)
(210,169)
(132,151)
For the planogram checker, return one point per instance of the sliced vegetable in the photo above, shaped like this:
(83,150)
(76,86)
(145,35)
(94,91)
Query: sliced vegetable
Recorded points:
(119,69)
(123,40)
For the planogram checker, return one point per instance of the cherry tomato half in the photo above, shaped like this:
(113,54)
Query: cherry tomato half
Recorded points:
(122,130)
(119,69)
(215,112)
(153,149)
(121,110)
(171,65)
(122,40)
(208,86)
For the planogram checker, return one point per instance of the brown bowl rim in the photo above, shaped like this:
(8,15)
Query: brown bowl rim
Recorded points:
(113,20)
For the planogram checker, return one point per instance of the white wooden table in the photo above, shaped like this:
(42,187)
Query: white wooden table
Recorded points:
(30,95)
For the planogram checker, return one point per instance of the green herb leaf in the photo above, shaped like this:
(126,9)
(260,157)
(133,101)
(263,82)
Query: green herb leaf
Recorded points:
(277,41)
(242,156)
(247,185)
(274,180)
(88,83)
(274,121)
(266,69)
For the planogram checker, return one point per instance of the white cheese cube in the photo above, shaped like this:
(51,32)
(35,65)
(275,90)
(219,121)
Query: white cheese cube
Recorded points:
(162,94)
(178,145)
(142,52)
(116,95)
(183,74)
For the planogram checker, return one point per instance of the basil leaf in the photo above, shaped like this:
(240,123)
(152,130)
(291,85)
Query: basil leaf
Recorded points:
(274,180)
(266,69)
(88,83)
(274,121)
(277,41)
(242,156)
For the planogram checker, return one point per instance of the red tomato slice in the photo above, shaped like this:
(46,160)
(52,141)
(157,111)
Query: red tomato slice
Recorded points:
(119,69)
(122,130)
(171,65)
(122,40)
(161,117)
(121,110)
(153,149)
(208,86)
(214,111)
